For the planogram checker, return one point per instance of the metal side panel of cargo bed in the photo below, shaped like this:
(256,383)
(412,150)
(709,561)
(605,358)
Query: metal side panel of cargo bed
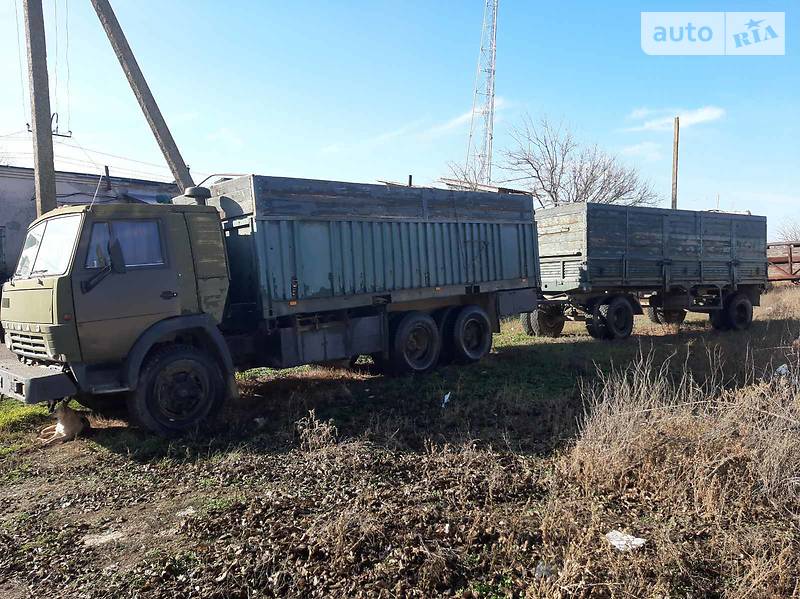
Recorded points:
(585,247)
(326,245)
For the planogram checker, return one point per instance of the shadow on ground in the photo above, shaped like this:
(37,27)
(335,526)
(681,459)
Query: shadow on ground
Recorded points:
(525,397)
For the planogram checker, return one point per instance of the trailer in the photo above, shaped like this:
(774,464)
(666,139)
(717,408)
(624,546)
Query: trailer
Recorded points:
(162,304)
(603,264)
(784,262)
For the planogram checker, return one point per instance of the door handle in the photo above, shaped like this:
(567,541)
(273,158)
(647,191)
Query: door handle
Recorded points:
(168,295)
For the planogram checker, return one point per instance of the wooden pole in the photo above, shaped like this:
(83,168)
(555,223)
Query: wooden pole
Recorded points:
(143,94)
(44,174)
(675,142)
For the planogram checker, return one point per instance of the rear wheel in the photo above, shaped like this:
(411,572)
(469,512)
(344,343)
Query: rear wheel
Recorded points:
(596,323)
(471,334)
(719,320)
(739,312)
(445,320)
(416,343)
(179,387)
(617,317)
(547,321)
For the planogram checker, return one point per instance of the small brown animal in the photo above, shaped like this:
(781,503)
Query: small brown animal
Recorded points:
(68,427)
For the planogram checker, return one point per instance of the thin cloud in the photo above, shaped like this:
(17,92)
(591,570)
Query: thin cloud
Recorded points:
(374,141)
(689,118)
(647,150)
(459,121)
(227,138)
(414,130)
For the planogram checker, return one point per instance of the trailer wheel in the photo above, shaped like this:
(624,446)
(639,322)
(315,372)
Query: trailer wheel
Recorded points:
(719,320)
(596,324)
(661,316)
(179,387)
(416,343)
(445,320)
(592,329)
(527,323)
(739,312)
(617,318)
(472,334)
(544,322)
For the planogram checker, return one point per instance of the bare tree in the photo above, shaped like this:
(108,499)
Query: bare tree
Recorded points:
(789,231)
(557,170)
(462,177)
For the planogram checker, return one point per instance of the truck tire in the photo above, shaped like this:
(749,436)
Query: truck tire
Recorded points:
(547,321)
(416,344)
(739,312)
(471,335)
(445,319)
(179,387)
(527,324)
(617,318)
(661,316)
(719,320)
(595,323)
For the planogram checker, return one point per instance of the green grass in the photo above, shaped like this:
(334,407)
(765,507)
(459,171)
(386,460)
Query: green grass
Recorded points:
(16,416)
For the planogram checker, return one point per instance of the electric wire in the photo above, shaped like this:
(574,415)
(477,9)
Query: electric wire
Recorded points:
(69,100)
(55,66)
(19,59)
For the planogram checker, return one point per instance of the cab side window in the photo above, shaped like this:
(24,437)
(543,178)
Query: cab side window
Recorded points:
(140,242)
(139,239)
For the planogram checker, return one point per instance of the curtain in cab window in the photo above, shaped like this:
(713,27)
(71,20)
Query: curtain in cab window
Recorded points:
(139,240)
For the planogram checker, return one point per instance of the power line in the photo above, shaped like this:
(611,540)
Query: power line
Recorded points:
(19,58)
(69,101)
(55,67)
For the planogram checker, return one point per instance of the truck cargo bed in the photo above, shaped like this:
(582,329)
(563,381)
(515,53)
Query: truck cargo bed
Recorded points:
(589,247)
(324,245)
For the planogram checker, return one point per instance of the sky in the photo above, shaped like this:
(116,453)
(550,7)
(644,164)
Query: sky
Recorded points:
(377,90)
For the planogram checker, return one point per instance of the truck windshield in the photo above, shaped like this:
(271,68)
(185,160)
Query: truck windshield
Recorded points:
(48,247)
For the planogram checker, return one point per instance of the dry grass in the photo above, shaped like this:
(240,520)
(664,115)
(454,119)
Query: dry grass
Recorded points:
(322,482)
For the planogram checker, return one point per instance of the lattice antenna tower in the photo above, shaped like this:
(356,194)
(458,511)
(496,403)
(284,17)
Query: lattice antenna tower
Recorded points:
(481,128)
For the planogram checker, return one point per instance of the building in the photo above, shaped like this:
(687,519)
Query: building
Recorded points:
(18,206)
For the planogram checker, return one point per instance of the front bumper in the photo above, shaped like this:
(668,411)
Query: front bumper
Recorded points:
(33,384)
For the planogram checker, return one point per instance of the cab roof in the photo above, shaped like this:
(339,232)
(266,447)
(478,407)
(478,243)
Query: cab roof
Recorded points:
(123,210)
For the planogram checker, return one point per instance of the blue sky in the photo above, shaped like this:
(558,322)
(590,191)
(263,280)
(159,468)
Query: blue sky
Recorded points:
(366,90)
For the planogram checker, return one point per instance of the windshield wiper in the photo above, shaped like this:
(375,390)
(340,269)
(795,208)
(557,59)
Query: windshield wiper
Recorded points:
(41,271)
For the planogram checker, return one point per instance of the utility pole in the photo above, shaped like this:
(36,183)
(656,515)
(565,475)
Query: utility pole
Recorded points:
(143,94)
(43,169)
(675,141)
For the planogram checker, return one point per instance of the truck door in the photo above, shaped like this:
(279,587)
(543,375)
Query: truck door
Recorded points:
(112,314)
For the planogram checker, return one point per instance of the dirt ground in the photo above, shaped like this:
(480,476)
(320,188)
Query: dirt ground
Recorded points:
(491,480)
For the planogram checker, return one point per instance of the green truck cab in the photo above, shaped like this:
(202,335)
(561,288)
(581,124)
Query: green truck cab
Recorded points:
(98,289)
(157,306)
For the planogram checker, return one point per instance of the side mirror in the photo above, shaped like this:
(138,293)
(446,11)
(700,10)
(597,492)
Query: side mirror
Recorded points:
(117,257)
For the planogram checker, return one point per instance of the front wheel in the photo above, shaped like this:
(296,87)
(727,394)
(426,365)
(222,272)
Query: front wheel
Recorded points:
(179,387)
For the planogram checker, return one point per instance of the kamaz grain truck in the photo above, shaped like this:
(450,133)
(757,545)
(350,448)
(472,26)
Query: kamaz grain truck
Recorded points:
(159,305)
